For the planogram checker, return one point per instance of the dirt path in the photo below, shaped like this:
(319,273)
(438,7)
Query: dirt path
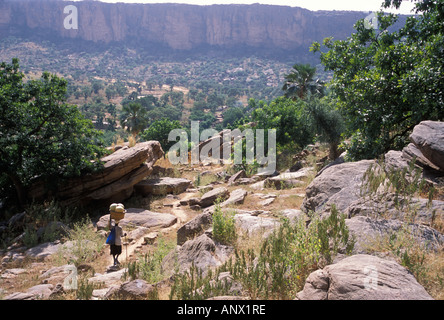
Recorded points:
(129,249)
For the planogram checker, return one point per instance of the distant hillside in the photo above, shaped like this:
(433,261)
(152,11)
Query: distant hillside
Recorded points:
(158,28)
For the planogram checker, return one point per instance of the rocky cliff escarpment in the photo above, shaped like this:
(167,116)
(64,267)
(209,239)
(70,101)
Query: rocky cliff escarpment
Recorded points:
(177,26)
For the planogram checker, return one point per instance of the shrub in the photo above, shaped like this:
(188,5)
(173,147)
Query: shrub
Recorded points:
(279,269)
(224,227)
(149,267)
(84,244)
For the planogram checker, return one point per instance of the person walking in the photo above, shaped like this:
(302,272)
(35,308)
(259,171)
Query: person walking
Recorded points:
(116,245)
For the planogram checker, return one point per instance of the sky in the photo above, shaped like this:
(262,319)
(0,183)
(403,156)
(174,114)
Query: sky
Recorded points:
(352,5)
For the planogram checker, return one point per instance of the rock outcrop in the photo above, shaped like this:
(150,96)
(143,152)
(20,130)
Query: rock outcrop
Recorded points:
(141,218)
(162,186)
(178,26)
(114,183)
(428,137)
(363,277)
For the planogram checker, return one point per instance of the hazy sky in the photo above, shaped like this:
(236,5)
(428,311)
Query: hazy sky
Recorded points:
(355,5)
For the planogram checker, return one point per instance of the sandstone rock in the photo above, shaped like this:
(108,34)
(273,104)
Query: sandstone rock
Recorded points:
(121,171)
(363,277)
(12,273)
(428,137)
(338,185)
(396,207)
(266,202)
(108,279)
(294,214)
(141,217)
(44,250)
(56,274)
(194,227)
(235,177)
(281,183)
(368,231)
(236,197)
(411,152)
(162,186)
(137,233)
(38,292)
(210,197)
(134,290)
(201,251)
(255,225)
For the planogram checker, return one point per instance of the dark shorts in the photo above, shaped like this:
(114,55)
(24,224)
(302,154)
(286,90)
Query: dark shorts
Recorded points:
(115,249)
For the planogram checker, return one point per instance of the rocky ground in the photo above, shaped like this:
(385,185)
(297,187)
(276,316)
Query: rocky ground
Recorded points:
(175,206)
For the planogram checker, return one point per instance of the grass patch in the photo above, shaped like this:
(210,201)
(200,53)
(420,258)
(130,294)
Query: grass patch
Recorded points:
(278,269)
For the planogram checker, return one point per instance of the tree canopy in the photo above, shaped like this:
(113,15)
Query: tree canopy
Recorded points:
(40,135)
(388,81)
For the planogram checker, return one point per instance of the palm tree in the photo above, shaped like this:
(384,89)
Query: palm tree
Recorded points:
(300,82)
(134,118)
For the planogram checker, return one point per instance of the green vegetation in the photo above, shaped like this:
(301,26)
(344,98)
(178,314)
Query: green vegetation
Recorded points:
(388,81)
(159,131)
(149,267)
(279,268)
(40,134)
(224,228)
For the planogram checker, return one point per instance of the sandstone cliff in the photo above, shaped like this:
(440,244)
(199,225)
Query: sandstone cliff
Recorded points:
(177,26)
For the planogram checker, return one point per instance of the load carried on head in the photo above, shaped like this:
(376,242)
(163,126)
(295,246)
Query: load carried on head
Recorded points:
(117,211)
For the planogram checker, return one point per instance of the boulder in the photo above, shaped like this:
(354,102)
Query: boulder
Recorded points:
(162,186)
(38,292)
(411,152)
(12,273)
(339,185)
(44,250)
(235,177)
(363,277)
(397,207)
(134,290)
(141,217)
(202,252)
(120,172)
(255,225)
(108,279)
(210,197)
(194,227)
(236,197)
(368,231)
(428,137)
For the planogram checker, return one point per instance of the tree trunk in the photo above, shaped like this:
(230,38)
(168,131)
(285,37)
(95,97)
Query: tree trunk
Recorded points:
(334,151)
(19,188)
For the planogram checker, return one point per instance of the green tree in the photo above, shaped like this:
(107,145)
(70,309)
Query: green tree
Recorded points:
(232,115)
(289,118)
(134,117)
(387,81)
(327,123)
(159,131)
(301,82)
(40,135)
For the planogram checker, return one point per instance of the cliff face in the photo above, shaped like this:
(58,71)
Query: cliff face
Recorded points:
(177,26)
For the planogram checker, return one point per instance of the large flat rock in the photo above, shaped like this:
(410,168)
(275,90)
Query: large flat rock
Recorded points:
(121,171)
(428,137)
(363,277)
(162,186)
(141,218)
